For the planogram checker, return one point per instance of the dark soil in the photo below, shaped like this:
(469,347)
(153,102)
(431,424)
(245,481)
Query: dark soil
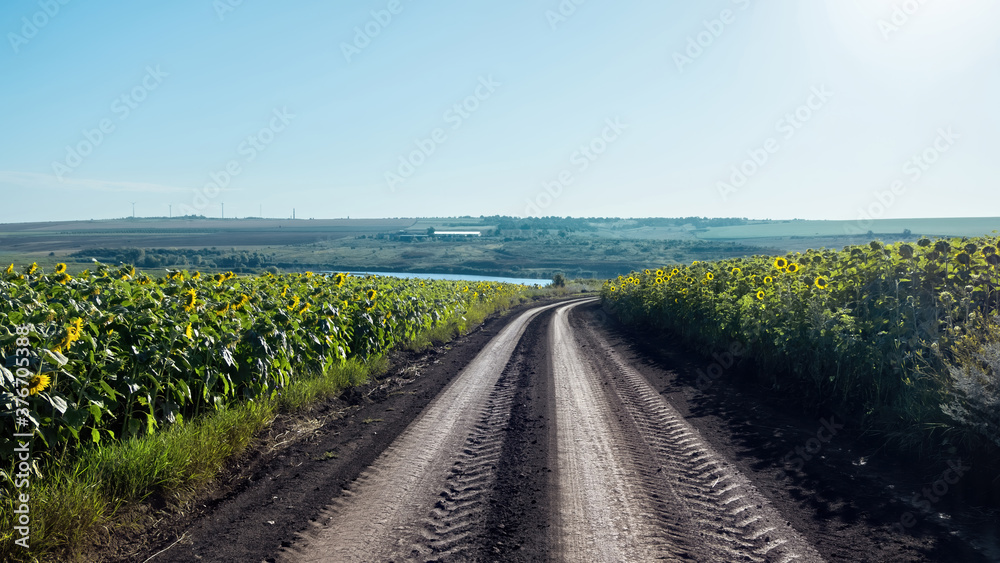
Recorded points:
(848,499)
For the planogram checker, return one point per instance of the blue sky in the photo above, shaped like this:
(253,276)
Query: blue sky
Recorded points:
(780,109)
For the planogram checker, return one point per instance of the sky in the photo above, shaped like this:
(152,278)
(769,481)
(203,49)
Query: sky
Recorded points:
(822,109)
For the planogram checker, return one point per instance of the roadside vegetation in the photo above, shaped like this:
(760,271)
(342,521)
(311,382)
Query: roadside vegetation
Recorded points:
(138,387)
(900,338)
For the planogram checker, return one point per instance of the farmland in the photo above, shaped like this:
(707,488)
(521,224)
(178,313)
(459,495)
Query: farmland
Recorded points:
(507,246)
(900,337)
(111,356)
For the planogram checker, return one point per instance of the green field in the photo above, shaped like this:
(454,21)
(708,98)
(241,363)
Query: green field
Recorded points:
(507,246)
(956,227)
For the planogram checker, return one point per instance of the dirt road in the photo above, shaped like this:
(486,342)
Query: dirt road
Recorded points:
(555,441)
(631,480)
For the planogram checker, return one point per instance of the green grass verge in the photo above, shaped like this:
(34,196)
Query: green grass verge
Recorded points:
(75,504)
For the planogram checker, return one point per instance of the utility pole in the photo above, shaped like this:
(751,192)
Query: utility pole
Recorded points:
(171,212)
(223,209)
(133,208)
(293,213)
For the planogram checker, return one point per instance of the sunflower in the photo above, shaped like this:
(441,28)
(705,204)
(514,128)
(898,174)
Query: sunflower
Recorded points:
(191,297)
(10,269)
(792,268)
(73,333)
(284,291)
(760,295)
(339,279)
(372,293)
(768,280)
(646,271)
(189,332)
(709,276)
(309,274)
(295,303)
(196,275)
(735,271)
(60,268)
(658,281)
(674,272)
(38,384)
(659,273)
(63,278)
(821,282)
(780,263)
(32,268)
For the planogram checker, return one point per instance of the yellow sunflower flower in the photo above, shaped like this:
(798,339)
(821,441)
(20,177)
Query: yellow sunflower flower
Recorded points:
(38,384)
(780,263)
(760,295)
(60,268)
(372,293)
(792,268)
(191,298)
(821,282)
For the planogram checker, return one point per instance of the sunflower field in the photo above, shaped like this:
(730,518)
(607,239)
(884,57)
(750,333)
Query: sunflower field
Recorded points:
(116,353)
(896,336)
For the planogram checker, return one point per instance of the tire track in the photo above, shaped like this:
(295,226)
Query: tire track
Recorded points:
(733,520)
(602,515)
(384,513)
(457,520)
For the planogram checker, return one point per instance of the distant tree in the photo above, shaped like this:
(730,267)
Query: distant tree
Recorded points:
(907,232)
(430,231)
(559,280)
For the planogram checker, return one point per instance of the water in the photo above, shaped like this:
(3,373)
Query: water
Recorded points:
(453,277)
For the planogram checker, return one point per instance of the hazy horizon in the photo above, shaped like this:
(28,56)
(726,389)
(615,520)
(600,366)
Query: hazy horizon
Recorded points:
(390,108)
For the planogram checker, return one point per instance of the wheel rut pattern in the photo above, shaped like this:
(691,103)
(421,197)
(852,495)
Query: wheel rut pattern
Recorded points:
(457,520)
(731,519)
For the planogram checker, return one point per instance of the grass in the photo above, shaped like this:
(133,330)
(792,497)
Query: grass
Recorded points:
(75,504)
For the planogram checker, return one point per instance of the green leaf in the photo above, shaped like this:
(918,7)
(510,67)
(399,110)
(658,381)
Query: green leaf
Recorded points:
(59,403)
(57,357)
